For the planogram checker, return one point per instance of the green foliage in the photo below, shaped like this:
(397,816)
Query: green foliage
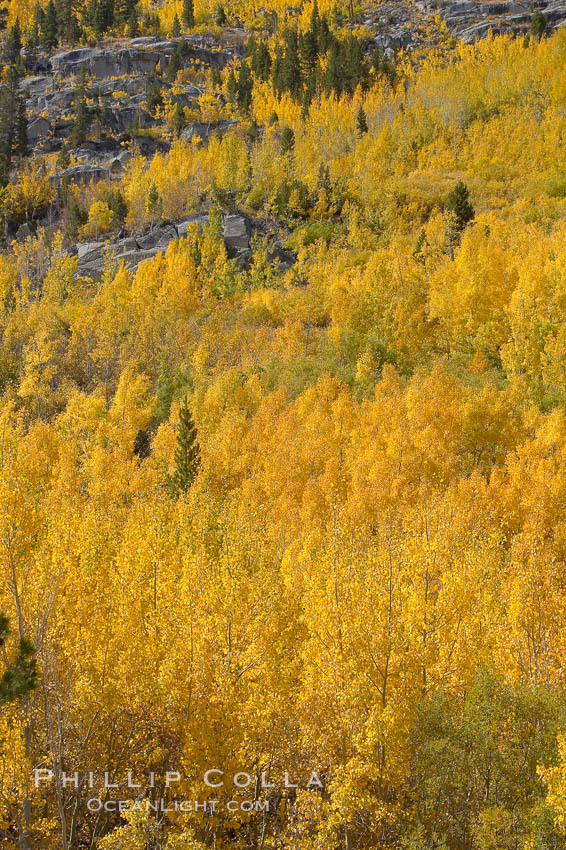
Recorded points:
(118,206)
(82,113)
(538,24)
(154,96)
(484,755)
(287,140)
(20,676)
(13,43)
(361,123)
(188,14)
(459,205)
(13,122)
(187,454)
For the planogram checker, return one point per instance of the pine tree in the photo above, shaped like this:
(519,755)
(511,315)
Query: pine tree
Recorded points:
(221,16)
(538,24)
(49,34)
(277,72)
(118,206)
(154,204)
(231,88)
(20,677)
(36,28)
(174,65)
(333,81)
(291,67)
(64,12)
(13,43)
(63,157)
(459,205)
(188,13)
(21,141)
(10,116)
(178,120)
(133,29)
(176,28)
(261,61)
(82,117)
(187,454)
(361,122)
(244,88)
(315,21)
(308,50)
(287,140)
(154,97)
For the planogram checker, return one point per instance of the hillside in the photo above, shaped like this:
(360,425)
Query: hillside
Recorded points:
(282,427)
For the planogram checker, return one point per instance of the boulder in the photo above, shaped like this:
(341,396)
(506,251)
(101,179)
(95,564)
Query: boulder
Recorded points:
(236,234)
(38,129)
(204,131)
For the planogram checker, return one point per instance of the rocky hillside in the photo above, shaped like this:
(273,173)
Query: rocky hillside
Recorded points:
(90,109)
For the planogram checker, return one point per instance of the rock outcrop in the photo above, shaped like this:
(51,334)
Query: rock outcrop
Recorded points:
(133,250)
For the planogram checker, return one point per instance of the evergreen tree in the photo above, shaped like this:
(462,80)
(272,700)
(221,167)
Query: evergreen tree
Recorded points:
(308,50)
(187,454)
(188,13)
(36,28)
(63,157)
(13,43)
(154,204)
(231,88)
(459,205)
(538,24)
(287,140)
(64,13)
(315,21)
(118,206)
(277,72)
(82,116)
(333,80)
(49,34)
(178,119)
(133,29)
(221,16)
(244,88)
(261,61)
(291,67)
(176,28)
(154,97)
(11,131)
(77,218)
(324,35)
(21,140)
(361,122)
(20,677)
(174,66)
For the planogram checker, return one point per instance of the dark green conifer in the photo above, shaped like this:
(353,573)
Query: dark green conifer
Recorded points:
(459,205)
(49,34)
(361,122)
(287,140)
(20,677)
(187,454)
(188,13)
